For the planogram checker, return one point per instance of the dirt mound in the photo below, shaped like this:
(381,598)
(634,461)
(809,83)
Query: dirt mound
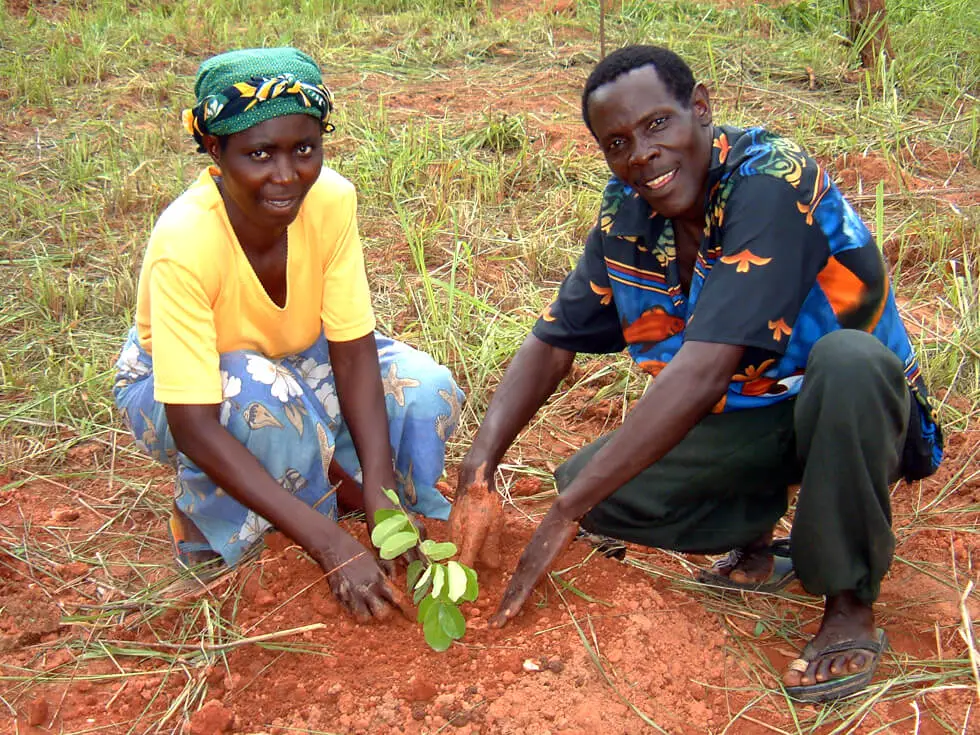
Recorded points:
(659,647)
(655,643)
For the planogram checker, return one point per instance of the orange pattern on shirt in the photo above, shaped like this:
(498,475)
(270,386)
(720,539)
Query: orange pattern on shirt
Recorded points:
(780,328)
(604,292)
(721,143)
(842,288)
(745,260)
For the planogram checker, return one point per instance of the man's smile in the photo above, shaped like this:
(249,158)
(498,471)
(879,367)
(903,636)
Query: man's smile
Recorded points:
(661,181)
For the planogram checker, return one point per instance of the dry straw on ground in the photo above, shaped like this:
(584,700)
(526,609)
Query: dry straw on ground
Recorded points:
(458,123)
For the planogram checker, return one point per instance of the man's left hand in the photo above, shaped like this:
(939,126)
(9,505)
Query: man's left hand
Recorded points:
(548,541)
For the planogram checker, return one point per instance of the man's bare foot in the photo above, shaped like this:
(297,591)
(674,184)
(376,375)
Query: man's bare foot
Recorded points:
(752,564)
(845,618)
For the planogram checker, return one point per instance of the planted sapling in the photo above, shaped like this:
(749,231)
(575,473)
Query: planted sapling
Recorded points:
(438,588)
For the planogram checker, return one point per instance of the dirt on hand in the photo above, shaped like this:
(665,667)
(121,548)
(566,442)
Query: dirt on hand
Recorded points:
(475,524)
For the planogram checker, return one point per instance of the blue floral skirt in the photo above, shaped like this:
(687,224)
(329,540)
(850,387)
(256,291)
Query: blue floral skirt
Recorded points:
(286,413)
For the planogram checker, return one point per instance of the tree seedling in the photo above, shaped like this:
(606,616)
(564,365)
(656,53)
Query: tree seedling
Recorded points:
(437,588)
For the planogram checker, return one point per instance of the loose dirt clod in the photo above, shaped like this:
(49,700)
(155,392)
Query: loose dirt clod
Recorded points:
(212,719)
(37,712)
(422,690)
(64,515)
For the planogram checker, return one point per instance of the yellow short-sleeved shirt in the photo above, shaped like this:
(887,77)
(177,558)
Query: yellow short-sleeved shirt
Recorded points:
(198,296)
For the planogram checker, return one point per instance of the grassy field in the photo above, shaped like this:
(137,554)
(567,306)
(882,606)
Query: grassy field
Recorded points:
(458,122)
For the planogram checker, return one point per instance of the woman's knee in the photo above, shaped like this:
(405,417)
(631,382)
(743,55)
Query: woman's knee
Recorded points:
(432,384)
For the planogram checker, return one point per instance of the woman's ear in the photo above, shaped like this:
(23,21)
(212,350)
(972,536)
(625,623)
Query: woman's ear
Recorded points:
(701,103)
(212,146)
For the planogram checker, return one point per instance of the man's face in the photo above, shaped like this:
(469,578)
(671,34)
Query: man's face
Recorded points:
(653,143)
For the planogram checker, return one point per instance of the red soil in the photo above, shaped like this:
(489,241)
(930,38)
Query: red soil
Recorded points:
(664,648)
(687,660)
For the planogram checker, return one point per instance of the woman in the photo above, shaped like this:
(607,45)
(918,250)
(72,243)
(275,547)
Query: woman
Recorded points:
(254,368)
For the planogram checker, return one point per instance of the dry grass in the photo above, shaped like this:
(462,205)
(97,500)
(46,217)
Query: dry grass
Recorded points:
(458,123)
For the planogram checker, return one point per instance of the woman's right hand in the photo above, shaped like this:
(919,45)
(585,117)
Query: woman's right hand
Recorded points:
(352,571)
(357,580)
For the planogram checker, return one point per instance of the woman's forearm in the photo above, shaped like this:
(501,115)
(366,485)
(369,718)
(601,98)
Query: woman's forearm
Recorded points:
(360,393)
(198,434)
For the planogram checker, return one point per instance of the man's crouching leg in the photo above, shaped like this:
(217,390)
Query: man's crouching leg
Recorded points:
(723,486)
(850,421)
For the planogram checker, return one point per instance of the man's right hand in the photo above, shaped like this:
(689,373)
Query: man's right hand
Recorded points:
(477,517)
(357,580)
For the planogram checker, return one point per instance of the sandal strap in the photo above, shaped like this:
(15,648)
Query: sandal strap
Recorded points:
(729,560)
(780,547)
(189,547)
(875,646)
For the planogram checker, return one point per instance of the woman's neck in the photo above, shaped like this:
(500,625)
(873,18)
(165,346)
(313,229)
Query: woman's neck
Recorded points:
(252,237)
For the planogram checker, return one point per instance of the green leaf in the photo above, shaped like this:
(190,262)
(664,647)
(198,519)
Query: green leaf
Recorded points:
(436,551)
(438,579)
(472,588)
(426,576)
(385,513)
(435,636)
(451,620)
(397,544)
(414,572)
(457,580)
(393,497)
(760,628)
(424,607)
(387,528)
(421,592)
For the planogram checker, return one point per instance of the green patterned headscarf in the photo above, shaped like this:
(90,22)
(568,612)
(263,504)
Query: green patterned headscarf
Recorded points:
(239,89)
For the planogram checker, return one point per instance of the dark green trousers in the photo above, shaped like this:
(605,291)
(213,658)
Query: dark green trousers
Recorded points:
(726,483)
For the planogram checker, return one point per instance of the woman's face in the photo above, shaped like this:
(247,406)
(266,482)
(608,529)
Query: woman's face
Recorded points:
(267,169)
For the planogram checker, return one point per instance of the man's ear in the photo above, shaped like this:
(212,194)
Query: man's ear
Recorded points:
(212,146)
(701,104)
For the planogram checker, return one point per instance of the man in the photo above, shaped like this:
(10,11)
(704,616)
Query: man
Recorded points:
(733,271)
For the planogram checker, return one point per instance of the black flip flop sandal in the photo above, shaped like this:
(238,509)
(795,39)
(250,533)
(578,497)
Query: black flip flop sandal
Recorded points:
(842,686)
(782,570)
(606,545)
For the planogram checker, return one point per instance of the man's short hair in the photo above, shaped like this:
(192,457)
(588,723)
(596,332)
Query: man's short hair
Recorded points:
(671,68)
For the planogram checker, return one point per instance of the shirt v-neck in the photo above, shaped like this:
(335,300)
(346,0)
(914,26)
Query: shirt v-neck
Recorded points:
(242,255)
(254,277)
(258,281)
